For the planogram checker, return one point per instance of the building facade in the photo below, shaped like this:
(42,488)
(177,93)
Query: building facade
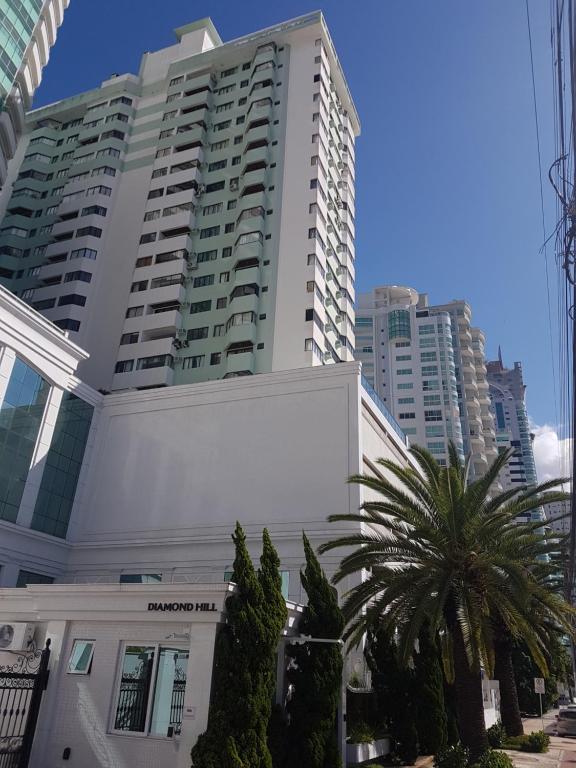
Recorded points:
(27,32)
(194,221)
(427,364)
(508,405)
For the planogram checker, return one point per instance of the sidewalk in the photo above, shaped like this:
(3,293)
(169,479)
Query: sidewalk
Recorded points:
(562,752)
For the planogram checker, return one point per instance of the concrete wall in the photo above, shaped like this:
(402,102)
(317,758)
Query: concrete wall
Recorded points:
(173,469)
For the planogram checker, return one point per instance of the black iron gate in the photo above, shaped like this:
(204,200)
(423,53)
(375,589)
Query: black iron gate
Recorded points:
(21,687)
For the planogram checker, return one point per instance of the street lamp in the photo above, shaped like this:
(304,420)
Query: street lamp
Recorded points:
(303,640)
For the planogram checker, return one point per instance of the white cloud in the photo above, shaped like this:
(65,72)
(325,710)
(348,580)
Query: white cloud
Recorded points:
(551,453)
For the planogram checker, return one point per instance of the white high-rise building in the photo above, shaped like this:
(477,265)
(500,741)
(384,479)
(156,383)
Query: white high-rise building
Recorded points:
(427,364)
(508,405)
(27,32)
(195,221)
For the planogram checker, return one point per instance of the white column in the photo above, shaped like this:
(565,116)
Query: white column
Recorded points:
(38,462)
(7,358)
(198,685)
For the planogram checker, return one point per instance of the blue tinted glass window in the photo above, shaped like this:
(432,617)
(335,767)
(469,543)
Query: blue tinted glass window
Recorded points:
(20,419)
(63,463)
(500,420)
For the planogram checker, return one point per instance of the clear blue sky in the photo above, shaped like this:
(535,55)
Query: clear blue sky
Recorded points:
(447,177)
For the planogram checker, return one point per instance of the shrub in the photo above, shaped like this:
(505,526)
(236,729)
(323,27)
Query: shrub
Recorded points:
(531,742)
(496,735)
(360,733)
(535,742)
(455,756)
(494,759)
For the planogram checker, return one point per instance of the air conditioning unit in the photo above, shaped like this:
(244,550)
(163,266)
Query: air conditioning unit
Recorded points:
(16,637)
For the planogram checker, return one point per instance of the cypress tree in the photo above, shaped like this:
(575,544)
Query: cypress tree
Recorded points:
(431,721)
(244,665)
(396,692)
(316,675)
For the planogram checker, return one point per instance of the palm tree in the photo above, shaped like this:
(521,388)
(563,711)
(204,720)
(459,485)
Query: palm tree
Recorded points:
(437,548)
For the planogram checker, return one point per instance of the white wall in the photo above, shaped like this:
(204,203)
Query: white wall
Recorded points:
(173,469)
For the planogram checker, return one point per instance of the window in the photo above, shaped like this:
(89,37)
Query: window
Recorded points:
(403,358)
(215,358)
(194,334)
(222,126)
(151,690)
(208,210)
(141,285)
(83,253)
(404,371)
(166,280)
(72,298)
(129,338)
(407,385)
(29,577)
(79,274)
(66,324)
(124,366)
(226,252)
(229,228)
(155,361)
(200,306)
(224,277)
(405,401)
(155,193)
(94,210)
(435,431)
(200,282)
(196,361)
(149,237)
(81,657)
(89,231)
(408,415)
(215,186)
(144,261)
(159,172)
(209,232)
(217,145)
(221,303)
(217,165)
(206,256)
(135,311)
(224,107)
(218,330)
(152,215)
(435,415)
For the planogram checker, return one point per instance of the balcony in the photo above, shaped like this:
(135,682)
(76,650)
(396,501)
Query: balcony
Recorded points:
(240,362)
(245,333)
(151,377)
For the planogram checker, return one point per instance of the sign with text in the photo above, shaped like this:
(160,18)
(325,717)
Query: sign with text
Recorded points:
(539,685)
(183,607)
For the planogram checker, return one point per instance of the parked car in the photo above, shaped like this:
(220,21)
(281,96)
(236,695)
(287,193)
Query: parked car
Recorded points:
(566,722)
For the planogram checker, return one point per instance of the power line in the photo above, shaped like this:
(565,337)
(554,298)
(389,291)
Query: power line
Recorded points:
(545,238)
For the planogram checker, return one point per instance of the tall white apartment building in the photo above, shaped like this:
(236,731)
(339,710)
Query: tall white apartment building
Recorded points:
(27,32)
(195,221)
(427,364)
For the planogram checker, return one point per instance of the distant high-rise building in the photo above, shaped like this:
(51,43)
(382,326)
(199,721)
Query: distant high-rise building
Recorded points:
(195,221)
(508,406)
(427,364)
(27,31)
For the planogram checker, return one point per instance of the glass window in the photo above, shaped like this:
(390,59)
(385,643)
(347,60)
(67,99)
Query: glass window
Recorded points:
(29,577)
(151,691)
(81,657)
(20,419)
(399,324)
(140,578)
(62,469)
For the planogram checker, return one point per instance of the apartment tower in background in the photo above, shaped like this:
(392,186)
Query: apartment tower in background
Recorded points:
(27,31)
(508,405)
(195,221)
(427,364)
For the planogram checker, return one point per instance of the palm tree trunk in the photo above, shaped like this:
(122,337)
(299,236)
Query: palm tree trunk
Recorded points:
(504,673)
(468,685)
